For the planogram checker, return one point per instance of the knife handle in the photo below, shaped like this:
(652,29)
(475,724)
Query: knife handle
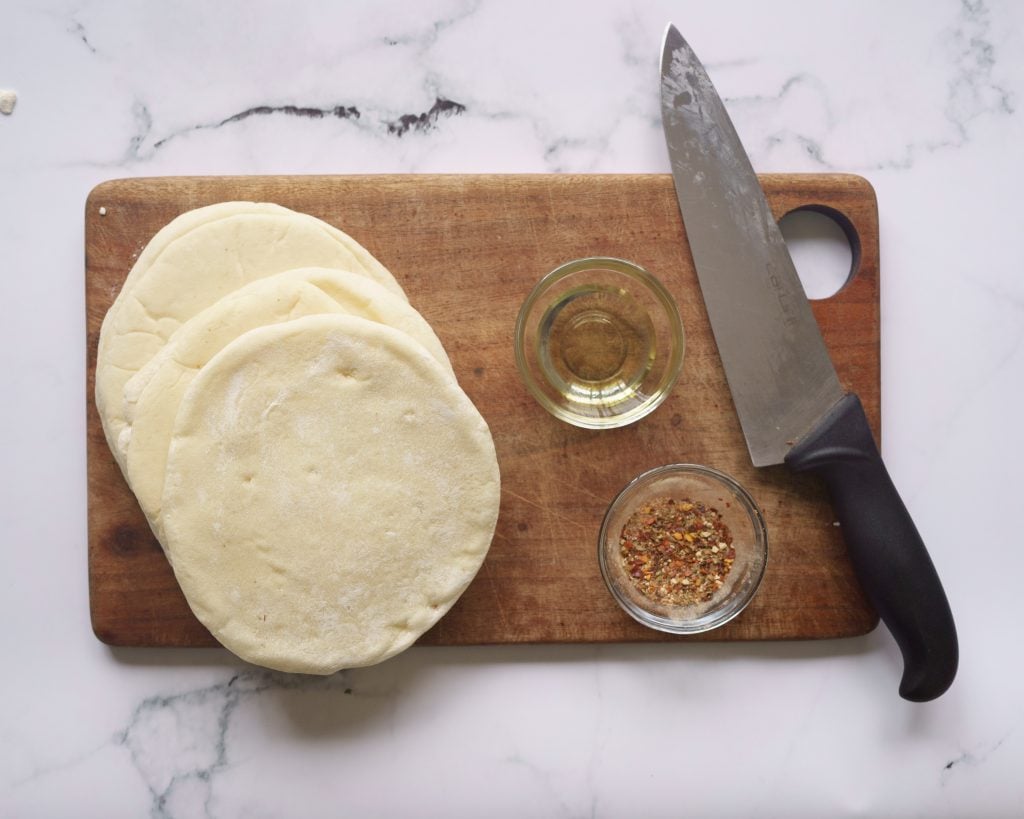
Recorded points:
(887,552)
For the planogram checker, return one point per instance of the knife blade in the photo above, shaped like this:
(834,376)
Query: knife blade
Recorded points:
(789,400)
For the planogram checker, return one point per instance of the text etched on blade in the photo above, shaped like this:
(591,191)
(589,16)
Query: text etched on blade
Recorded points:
(782,296)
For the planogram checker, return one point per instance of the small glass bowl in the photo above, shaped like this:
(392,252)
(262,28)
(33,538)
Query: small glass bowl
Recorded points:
(599,342)
(738,511)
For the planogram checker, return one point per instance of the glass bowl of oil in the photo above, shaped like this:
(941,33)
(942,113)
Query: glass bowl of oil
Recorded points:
(599,342)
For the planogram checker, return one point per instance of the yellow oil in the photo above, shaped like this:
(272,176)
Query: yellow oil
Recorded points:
(596,345)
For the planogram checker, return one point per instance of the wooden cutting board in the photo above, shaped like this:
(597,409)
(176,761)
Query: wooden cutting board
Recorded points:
(467,250)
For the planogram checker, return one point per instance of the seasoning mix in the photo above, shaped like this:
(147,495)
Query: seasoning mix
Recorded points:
(677,552)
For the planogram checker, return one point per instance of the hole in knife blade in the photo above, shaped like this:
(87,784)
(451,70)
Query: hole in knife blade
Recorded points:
(821,251)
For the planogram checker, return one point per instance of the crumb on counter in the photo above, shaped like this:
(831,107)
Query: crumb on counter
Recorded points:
(8,99)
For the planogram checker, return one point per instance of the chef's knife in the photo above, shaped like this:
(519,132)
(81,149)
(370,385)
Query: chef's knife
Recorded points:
(790,403)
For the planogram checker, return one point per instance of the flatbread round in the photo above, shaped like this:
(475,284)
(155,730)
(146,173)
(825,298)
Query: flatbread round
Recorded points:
(330,493)
(153,395)
(191,263)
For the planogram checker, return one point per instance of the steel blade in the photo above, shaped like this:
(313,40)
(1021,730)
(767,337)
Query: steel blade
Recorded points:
(776,363)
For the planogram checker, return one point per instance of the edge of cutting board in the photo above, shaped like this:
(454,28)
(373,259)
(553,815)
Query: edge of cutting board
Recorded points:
(133,599)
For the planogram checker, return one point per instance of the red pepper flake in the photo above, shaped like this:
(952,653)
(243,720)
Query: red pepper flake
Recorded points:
(677,552)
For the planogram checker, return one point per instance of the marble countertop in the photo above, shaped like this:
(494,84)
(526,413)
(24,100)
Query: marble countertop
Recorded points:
(922,98)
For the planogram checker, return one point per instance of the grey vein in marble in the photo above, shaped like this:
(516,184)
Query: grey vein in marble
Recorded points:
(309,112)
(971,759)
(428,119)
(543,781)
(143,125)
(972,92)
(433,31)
(78,30)
(394,126)
(178,743)
(802,81)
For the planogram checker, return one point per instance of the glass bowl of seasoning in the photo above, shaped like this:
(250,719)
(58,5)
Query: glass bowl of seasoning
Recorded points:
(683,548)
(599,342)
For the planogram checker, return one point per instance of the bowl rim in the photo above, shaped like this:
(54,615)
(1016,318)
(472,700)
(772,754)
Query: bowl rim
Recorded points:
(677,334)
(706,622)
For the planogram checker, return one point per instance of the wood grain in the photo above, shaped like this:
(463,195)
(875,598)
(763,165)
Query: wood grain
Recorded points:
(467,250)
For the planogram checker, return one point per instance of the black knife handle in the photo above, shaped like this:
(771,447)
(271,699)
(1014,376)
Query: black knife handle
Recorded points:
(887,552)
